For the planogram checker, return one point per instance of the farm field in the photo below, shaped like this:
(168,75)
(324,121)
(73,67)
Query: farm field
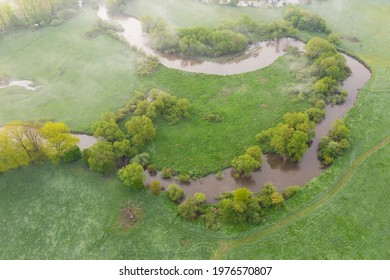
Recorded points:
(67,212)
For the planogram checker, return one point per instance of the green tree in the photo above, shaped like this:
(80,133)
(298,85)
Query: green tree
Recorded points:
(132,175)
(317,46)
(59,138)
(101,157)
(108,129)
(255,152)
(175,193)
(141,130)
(72,154)
(241,207)
(245,165)
(189,209)
(297,146)
(11,156)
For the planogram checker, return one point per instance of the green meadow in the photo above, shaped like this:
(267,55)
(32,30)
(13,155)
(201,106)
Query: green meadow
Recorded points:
(67,212)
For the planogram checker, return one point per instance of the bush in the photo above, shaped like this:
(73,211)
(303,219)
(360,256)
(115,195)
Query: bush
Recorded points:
(290,191)
(175,193)
(219,175)
(132,175)
(142,159)
(277,200)
(200,197)
(189,209)
(155,187)
(255,152)
(72,154)
(167,173)
(184,178)
(152,169)
(147,65)
(212,117)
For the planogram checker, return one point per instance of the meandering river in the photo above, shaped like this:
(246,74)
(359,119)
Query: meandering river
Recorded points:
(280,172)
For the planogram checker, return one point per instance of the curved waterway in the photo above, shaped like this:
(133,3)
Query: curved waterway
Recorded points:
(275,169)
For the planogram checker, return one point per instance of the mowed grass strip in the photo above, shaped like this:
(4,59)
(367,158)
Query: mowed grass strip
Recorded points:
(79,78)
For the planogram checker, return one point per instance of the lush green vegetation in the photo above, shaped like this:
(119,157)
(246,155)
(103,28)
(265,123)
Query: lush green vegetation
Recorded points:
(75,213)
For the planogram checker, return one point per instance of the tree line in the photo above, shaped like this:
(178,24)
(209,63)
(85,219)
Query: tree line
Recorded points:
(23,143)
(231,37)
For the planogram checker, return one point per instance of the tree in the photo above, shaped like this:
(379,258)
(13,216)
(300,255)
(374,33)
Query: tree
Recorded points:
(317,46)
(141,130)
(11,156)
(58,138)
(101,157)
(240,207)
(27,137)
(297,146)
(265,194)
(132,175)
(189,209)
(108,129)
(123,151)
(280,137)
(175,193)
(255,152)
(245,165)
(72,154)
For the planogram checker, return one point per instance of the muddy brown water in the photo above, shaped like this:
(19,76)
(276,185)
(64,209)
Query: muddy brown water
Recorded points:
(275,169)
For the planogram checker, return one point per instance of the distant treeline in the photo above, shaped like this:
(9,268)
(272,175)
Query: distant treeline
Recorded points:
(36,12)
(231,37)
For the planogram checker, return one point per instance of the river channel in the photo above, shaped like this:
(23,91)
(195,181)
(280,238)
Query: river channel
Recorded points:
(275,169)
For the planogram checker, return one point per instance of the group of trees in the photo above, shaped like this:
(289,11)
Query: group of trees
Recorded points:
(330,69)
(289,138)
(245,164)
(231,37)
(115,147)
(156,104)
(334,144)
(22,143)
(36,12)
(119,144)
(193,41)
(304,20)
(238,206)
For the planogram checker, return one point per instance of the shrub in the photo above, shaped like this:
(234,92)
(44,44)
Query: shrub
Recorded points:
(167,173)
(219,175)
(155,187)
(245,165)
(147,65)
(189,209)
(175,193)
(152,169)
(184,178)
(72,154)
(290,191)
(200,197)
(255,152)
(142,159)
(213,117)
(132,175)
(277,200)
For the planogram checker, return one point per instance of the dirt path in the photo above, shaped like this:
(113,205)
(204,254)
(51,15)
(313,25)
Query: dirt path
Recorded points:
(225,246)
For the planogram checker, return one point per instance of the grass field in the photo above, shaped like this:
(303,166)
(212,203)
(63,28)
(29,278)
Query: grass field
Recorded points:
(66,212)
(200,146)
(79,78)
(190,13)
